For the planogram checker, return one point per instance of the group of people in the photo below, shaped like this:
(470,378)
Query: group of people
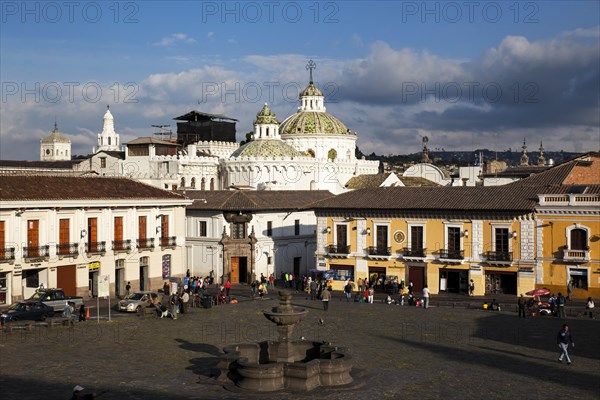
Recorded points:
(71,311)
(260,286)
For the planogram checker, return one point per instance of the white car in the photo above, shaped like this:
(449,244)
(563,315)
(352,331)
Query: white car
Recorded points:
(136,301)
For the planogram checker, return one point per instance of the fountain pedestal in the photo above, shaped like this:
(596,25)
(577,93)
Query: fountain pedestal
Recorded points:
(285,364)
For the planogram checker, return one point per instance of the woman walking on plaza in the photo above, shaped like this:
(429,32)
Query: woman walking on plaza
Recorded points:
(326,297)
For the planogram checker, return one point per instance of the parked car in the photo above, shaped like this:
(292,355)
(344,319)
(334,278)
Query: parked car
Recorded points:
(27,310)
(56,299)
(136,301)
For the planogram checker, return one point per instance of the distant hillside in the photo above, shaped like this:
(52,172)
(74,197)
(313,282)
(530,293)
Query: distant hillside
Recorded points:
(464,158)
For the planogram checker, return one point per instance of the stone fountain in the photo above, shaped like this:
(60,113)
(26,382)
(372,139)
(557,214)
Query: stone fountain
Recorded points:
(284,364)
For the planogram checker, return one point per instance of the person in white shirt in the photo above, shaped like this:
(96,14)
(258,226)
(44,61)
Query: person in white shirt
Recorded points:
(425,297)
(589,306)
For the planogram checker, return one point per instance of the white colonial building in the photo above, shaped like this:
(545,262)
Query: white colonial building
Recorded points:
(66,231)
(55,147)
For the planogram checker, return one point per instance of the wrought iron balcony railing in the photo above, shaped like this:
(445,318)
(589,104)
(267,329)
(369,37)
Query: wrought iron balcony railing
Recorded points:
(67,249)
(95,247)
(36,251)
(414,252)
(333,249)
(170,241)
(379,251)
(452,254)
(7,254)
(121,245)
(502,256)
(145,243)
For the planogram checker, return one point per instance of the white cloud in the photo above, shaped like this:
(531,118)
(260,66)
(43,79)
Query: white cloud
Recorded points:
(175,38)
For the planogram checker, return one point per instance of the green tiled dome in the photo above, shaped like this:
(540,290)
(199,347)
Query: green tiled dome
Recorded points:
(266,116)
(266,148)
(311,90)
(312,123)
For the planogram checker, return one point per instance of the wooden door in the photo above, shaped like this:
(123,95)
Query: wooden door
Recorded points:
(235,269)
(341,238)
(164,229)
(416,275)
(93,234)
(118,233)
(66,279)
(33,232)
(142,229)
(64,236)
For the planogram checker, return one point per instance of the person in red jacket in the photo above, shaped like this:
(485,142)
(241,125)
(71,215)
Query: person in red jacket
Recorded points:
(227,287)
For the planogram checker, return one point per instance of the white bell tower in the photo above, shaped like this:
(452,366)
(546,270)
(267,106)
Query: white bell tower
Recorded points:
(108,140)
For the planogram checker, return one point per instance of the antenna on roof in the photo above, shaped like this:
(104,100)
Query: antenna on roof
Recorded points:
(164,132)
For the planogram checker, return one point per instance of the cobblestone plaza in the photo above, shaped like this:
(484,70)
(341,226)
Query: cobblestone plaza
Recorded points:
(397,351)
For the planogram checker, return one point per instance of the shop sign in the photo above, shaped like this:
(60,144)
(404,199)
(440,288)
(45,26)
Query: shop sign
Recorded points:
(94,266)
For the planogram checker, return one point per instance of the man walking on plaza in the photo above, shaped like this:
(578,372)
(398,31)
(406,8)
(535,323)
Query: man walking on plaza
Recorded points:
(425,297)
(521,303)
(348,291)
(563,339)
(560,300)
(326,297)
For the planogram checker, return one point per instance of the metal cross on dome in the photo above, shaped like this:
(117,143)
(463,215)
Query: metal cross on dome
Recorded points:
(310,66)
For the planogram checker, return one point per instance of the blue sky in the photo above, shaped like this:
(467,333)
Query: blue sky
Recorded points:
(393,70)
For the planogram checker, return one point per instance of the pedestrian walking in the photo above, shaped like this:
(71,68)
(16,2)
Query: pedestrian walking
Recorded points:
(589,307)
(471,288)
(371,294)
(185,301)
(569,289)
(262,290)
(348,292)
(521,304)
(127,288)
(271,281)
(326,297)
(360,285)
(560,300)
(563,339)
(313,290)
(425,297)
(227,288)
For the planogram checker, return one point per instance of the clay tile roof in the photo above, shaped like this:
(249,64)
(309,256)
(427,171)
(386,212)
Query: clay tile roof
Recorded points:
(416,181)
(367,181)
(254,200)
(32,187)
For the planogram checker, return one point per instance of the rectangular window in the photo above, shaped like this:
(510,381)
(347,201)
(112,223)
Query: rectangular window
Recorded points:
(269,228)
(501,240)
(118,234)
(103,162)
(202,229)
(453,239)
(341,233)
(416,237)
(238,230)
(382,237)
(269,260)
(32,279)
(2,242)
(297,227)
(164,226)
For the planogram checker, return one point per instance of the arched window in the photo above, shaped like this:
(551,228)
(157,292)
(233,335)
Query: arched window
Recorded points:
(311,153)
(578,239)
(348,155)
(193,183)
(182,183)
(212,183)
(202,184)
(332,154)
(109,140)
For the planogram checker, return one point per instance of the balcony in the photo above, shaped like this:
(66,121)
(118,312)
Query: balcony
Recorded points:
(499,258)
(36,252)
(338,251)
(67,250)
(121,245)
(414,254)
(145,244)
(95,247)
(379,253)
(451,256)
(170,241)
(7,255)
(576,255)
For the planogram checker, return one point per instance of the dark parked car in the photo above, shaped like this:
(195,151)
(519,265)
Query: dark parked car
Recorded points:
(29,310)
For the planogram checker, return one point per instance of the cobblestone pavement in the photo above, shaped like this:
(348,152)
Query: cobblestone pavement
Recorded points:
(397,351)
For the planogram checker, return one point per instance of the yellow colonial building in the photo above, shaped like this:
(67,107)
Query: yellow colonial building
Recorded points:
(504,238)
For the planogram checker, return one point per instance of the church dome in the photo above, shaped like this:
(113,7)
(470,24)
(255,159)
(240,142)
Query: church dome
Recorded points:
(312,123)
(266,116)
(55,137)
(266,148)
(311,90)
